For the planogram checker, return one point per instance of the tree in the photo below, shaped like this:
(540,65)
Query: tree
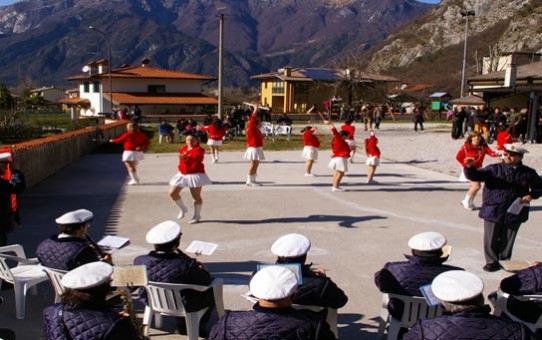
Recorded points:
(6,100)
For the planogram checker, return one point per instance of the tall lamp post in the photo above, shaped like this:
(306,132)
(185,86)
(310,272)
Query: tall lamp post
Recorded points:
(466,15)
(221,67)
(109,68)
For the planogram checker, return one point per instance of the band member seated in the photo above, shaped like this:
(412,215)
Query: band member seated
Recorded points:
(317,289)
(84,313)
(70,248)
(272,316)
(168,264)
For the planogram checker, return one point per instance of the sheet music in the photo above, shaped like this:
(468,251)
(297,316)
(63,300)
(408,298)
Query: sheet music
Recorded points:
(200,247)
(111,241)
(430,298)
(516,265)
(516,207)
(129,276)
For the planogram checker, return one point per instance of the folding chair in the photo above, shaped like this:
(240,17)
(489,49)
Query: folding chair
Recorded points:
(165,299)
(331,318)
(26,275)
(501,308)
(267,129)
(284,130)
(55,276)
(414,309)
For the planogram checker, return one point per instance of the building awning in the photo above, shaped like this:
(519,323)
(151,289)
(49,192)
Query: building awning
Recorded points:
(468,100)
(73,101)
(120,98)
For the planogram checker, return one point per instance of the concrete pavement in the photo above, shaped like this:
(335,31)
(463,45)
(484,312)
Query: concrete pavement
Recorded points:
(353,233)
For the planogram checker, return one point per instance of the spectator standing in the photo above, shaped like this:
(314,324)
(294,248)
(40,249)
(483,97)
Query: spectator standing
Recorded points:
(166,131)
(417,118)
(136,114)
(481,120)
(134,142)
(12,183)
(508,184)
(458,118)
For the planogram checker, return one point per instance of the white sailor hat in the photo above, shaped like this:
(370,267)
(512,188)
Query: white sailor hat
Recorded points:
(164,232)
(457,286)
(273,283)
(5,157)
(291,245)
(427,241)
(76,216)
(88,275)
(515,148)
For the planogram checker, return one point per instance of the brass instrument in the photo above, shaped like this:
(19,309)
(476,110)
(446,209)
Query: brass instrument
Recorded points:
(128,310)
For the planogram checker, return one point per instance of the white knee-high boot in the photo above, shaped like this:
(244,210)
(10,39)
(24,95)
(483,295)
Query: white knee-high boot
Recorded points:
(197,214)
(467,202)
(183,207)
(133,178)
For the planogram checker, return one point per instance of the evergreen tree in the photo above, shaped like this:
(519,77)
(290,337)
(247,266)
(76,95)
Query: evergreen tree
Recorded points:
(6,101)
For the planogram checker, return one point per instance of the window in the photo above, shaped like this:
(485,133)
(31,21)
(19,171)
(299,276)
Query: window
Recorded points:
(278,87)
(86,87)
(95,87)
(156,89)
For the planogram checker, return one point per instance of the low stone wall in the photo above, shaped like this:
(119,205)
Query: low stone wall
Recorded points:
(41,158)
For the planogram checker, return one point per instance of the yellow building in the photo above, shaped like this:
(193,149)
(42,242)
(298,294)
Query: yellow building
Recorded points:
(295,90)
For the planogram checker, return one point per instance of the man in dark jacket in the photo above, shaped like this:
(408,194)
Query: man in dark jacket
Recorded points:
(465,316)
(317,289)
(70,249)
(509,187)
(168,264)
(525,282)
(458,118)
(272,316)
(406,277)
(481,120)
(8,187)
(84,313)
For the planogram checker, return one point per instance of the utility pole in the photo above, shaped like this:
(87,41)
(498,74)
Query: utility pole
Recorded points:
(109,68)
(466,15)
(221,67)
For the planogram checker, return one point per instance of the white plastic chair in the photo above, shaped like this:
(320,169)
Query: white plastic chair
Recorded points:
(26,275)
(283,130)
(267,129)
(331,319)
(501,307)
(414,309)
(165,299)
(55,276)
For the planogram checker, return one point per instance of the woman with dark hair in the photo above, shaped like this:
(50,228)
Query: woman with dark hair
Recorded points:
(340,153)
(254,152)
(134,142)
(351,129)
(84,313)
(216,132)
(191,175)
(310,149)
(475,148)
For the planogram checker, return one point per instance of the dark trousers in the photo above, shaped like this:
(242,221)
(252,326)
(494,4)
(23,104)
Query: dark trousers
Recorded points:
(499,240)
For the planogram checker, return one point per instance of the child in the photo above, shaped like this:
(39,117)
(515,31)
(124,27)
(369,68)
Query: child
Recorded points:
(503,137)
(373,156)
(340,153)
(310,150)
(351,129)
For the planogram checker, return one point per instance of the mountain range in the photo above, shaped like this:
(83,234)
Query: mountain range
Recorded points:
(44,41)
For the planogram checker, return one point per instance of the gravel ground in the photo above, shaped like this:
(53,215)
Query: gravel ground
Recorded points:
(432,149)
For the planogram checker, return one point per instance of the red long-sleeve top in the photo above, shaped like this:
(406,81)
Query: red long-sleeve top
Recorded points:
(192,162)
(133,141)
(503,137)
(339,147)
(351,129)
(309,139)
(213,132)
(476,153)
(371,148)
(254,135)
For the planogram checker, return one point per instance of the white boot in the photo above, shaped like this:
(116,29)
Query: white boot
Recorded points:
(133,178)
(471,203)
(197,216)
(183,207)
(251,181)
(216,156)
(467,202)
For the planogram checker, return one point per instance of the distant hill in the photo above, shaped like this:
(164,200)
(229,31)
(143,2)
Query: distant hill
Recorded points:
(429,49)
(43,41)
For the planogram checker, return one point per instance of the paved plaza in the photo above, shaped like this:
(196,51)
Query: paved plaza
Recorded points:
(353,233)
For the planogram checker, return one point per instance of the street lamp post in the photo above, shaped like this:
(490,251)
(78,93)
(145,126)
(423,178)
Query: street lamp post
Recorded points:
(109,68)
(221,67)
(466,14)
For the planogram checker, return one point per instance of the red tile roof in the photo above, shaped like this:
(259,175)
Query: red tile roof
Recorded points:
(73,101)
(120,98)
(143,72)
